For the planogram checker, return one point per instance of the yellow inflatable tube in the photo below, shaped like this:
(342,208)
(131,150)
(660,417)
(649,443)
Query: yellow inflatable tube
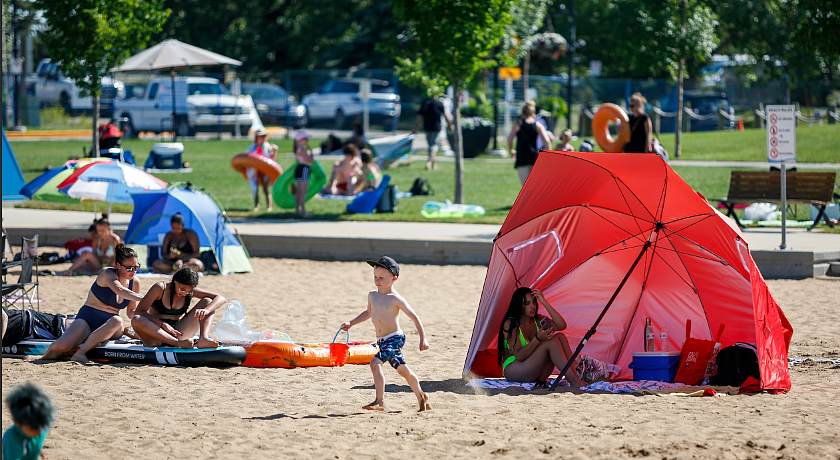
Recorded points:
(601,130)
(265,165)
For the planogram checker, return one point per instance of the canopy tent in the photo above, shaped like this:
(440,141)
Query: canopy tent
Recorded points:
(154,209)
(12,175)
(623,236)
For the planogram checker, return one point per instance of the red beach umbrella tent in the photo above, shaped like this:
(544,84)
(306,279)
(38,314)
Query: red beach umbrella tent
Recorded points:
(623,234)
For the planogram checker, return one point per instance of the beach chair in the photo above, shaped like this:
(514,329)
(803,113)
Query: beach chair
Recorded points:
(25,292)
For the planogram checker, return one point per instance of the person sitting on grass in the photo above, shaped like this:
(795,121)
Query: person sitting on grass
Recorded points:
(32,413)
(345,173)
(181,248)
(99,319)
(162,317)
(371,174)
(529,347)
(103,251)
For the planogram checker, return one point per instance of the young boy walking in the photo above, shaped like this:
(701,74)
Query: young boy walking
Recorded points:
(32,413)
(384,306)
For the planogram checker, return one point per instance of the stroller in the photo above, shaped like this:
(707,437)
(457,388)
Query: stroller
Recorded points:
(110,143)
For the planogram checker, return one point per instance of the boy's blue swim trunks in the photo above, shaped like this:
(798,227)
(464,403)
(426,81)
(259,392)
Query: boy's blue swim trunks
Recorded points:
(390,349)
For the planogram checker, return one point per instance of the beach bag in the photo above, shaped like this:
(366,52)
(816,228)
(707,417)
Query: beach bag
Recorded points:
(695,357)
(421,187)
(208,258)
(339,351)
(735,364)
(388,201)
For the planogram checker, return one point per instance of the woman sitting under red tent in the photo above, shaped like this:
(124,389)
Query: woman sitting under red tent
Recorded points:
(529,346)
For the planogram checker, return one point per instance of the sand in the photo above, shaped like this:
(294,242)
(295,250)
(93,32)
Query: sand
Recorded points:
(118,411)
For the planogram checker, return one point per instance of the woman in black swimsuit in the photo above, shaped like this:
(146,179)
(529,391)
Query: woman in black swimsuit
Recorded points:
(180,249)
(162,318)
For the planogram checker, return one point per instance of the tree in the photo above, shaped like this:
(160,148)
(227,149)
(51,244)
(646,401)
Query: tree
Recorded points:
(447,42)
(526,18)
(87,38)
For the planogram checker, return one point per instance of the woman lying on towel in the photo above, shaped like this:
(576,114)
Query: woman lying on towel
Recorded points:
(529,347)
(99,319)
(162,316)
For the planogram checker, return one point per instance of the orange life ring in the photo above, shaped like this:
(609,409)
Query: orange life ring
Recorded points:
(265,165)
(600,127)
(290,355)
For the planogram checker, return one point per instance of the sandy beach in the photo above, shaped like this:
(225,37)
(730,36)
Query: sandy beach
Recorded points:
(118,411)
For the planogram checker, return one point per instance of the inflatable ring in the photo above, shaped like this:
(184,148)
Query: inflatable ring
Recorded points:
(283,196)
(290,355)
(601,130)
(265,165)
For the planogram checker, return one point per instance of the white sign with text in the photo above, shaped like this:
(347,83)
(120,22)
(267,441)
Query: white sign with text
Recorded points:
(781,133)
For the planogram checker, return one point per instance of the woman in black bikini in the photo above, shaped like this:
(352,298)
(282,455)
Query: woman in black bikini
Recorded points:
(162,316)
(180,248)
(99,319)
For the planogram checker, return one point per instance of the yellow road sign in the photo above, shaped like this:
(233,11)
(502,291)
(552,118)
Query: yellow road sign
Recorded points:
(510,73)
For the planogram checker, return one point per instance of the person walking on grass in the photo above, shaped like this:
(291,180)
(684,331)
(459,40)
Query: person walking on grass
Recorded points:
(384,307)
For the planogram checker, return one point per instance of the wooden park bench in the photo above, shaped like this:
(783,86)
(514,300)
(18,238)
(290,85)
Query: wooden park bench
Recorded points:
(746,187)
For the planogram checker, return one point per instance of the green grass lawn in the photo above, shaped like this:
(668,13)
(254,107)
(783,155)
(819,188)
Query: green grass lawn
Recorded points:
(493,185)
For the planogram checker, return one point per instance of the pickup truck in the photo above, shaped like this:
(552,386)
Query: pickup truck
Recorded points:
(51,87)
(201,104)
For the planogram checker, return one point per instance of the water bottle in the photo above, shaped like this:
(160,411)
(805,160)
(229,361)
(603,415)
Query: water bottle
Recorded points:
(663,340)
(650,342)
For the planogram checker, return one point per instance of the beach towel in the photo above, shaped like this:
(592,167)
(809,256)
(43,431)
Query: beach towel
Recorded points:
(796,361)
(500,384)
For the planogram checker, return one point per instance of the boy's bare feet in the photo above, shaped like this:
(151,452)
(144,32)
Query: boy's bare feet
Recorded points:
(80,357)
(424,404)
(376,405)
(204,342)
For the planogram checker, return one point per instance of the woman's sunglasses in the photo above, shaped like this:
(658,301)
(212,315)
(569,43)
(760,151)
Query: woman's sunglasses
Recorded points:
(131,269)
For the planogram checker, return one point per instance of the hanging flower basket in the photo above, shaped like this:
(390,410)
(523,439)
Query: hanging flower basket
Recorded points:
(548,45)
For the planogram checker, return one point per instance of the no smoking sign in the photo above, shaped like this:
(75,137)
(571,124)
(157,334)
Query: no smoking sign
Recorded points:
(781,133)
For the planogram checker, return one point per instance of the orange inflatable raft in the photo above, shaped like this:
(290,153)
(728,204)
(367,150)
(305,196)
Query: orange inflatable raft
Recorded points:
(601,130)
(265,165)
(290,355)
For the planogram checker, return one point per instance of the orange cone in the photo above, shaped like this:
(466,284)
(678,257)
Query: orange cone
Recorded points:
(740,125)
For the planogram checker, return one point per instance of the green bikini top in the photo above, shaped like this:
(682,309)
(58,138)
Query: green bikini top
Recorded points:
(522,340)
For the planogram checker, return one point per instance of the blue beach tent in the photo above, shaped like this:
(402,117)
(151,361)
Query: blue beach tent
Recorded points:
(153,210)
(12,176)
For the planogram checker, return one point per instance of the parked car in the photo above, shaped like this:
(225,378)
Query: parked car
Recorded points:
(700,103)
(51,87)
(201,104)
(340,101)
(271,102)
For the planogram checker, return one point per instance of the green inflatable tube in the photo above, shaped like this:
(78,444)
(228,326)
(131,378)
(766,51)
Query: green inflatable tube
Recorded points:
(283,196)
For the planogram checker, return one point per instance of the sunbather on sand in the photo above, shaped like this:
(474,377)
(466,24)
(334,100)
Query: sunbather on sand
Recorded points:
(162,316)
(529,346)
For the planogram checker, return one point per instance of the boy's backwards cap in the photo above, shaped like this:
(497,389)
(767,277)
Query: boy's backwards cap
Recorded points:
(387,263)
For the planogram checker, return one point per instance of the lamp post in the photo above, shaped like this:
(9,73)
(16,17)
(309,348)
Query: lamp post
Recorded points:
(572,40)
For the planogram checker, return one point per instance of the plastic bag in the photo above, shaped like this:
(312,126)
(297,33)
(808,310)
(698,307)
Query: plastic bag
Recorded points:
(233,327)
(759,211)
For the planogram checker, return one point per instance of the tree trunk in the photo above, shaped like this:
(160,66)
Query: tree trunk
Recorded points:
(459,148)
(680,76)
(526,67)
(95,107)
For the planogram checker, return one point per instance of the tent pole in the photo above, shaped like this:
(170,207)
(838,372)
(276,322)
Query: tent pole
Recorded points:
(592,330)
